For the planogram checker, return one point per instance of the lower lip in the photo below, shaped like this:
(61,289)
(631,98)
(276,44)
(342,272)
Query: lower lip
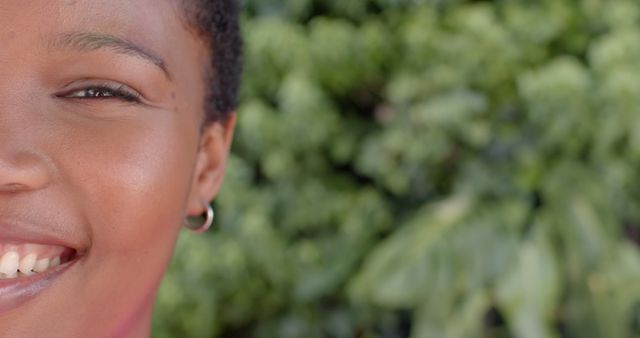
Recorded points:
(17,291)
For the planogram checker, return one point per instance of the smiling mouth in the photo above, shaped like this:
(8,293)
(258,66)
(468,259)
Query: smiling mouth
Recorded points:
(23,260)
(30,263)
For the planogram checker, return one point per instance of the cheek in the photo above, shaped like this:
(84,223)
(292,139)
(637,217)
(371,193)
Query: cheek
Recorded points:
(132,179)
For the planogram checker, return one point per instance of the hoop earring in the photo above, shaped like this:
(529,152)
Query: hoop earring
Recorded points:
(208,216)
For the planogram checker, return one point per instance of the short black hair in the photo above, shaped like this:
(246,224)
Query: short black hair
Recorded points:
(217,23)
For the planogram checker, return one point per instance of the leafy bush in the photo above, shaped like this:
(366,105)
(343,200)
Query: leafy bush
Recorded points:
(427,169)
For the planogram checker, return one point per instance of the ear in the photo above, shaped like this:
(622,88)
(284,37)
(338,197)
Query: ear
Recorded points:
(211,162)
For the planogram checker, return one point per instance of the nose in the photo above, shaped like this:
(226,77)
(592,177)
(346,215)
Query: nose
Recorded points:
(24,166)
(23,171)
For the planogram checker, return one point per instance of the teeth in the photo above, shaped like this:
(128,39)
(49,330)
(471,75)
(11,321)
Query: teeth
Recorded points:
(41,265)
(9,264)
(9,276)
(25,259)
(27,264)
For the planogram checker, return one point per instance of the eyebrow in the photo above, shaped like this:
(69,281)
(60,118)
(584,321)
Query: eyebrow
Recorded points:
(89,41)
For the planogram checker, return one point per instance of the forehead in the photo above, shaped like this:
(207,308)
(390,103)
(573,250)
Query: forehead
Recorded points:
(128,17)
(155,24)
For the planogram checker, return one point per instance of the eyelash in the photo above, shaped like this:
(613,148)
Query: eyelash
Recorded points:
(104,92)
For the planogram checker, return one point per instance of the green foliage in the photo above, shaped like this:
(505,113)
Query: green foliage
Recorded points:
(426,169)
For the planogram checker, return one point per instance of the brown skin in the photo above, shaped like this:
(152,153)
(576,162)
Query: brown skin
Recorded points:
(112,177)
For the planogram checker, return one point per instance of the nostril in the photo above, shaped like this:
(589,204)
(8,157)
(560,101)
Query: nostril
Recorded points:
(13,187)
(27,171)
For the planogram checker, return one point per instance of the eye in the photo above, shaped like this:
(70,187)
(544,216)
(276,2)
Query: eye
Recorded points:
(120,92)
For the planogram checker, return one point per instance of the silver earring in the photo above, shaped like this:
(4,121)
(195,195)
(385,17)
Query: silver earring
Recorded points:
(199,226)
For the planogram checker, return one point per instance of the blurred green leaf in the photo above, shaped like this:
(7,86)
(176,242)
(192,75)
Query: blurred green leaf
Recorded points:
(435,168)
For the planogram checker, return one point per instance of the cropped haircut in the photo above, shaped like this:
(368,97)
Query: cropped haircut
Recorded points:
(217,24)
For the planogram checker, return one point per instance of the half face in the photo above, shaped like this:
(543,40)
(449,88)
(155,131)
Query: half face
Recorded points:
(100,108)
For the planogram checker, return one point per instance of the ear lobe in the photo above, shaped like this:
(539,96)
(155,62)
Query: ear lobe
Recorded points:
(211,162)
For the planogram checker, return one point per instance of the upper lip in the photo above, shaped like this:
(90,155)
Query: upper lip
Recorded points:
(37,233)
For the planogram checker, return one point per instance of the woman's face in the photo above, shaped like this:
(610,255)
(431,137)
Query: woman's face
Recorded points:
(100,160)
